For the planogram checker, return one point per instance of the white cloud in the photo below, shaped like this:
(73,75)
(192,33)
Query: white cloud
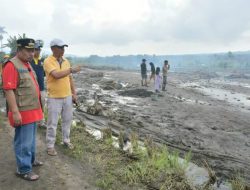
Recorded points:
(109,27)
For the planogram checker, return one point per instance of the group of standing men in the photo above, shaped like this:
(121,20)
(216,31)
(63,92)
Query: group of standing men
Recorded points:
(155,75)
(23,85)
(24,89)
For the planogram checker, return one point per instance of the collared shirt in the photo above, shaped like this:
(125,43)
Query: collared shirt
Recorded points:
(36,60)
(10,81)
(57,88)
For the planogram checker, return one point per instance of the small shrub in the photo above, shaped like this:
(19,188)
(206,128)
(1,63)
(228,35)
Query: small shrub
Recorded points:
(238,183)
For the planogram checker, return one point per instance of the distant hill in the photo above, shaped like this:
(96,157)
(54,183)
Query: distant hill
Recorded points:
(229,61)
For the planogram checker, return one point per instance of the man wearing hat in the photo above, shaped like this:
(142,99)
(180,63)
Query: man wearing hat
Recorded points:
(143,73)
(5,58)
(23,98)
(37,65)
(61,93)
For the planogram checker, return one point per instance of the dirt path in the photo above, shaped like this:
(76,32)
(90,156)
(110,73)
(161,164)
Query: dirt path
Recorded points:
(58,173)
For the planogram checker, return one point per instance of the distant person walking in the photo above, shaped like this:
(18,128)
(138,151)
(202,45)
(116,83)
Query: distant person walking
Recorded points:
(144,73)
(61,93)
(152,76)
(158,80)
(23,97)
(37,65)
(165,69)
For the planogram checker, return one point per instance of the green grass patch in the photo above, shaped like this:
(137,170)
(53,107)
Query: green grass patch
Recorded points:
(238,183)
(158,170)
(153,167)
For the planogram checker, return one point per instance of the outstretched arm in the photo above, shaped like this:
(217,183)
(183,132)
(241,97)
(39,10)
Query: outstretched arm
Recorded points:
(64,73)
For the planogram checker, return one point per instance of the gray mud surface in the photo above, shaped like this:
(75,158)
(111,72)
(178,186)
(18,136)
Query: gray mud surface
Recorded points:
(189,116)
(184,117)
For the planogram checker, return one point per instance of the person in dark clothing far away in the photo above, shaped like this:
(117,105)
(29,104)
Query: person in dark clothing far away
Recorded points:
(37,65)
(152,76)
(144,73)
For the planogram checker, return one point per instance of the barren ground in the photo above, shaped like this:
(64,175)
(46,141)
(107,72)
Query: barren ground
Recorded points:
(210,118)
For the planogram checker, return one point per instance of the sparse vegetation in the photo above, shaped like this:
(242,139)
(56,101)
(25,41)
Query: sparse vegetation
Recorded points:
(154,167)
(11,43)
(238,183)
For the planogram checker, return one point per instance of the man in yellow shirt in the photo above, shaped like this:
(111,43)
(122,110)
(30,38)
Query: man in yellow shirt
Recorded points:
(61,93)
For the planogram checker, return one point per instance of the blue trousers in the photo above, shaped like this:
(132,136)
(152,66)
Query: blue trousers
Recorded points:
(25,147)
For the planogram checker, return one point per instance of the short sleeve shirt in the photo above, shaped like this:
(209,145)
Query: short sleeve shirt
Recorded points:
(57,88)
(10,81)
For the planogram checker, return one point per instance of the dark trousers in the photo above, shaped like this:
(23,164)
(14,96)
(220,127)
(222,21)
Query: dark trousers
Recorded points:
(164,83)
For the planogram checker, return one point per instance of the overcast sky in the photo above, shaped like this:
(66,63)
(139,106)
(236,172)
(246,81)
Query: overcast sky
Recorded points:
(111,27)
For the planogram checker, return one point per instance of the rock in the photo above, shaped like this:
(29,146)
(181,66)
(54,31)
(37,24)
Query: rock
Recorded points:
(111,85)
(95,109)
(196,175)
(118,86)
(247,144)
(96,74)
(154,97)
(214,128)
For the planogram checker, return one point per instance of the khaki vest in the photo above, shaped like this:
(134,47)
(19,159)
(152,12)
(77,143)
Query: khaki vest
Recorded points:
(25,93)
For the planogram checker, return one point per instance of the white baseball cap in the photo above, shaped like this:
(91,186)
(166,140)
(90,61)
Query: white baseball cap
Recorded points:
(57,42)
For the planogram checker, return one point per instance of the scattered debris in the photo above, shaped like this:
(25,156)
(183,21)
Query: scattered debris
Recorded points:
(96,74)
(238,76)
(95,109)
(136,93)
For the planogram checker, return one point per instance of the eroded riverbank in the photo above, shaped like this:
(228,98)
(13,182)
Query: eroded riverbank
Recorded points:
(185,118)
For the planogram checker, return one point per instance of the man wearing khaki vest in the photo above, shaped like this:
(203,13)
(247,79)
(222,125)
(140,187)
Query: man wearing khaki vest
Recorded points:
(61,93)
(22,94)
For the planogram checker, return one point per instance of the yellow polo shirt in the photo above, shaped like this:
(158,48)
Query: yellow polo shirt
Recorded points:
(57,88)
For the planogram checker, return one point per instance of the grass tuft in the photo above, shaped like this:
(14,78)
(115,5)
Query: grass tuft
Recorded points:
(238,183)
